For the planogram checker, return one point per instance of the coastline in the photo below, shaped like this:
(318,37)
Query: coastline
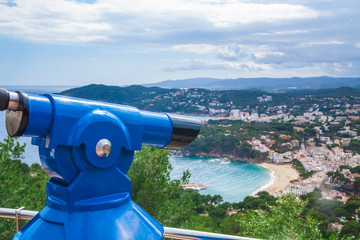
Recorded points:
(281,175)
(215,155)
(268,184)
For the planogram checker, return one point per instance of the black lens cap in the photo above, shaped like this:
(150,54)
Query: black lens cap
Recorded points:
(4,99)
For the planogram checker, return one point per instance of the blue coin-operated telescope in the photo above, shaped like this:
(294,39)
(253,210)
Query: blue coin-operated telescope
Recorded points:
(87,148)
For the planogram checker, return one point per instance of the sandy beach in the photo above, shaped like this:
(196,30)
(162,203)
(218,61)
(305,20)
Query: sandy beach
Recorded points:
(283,174)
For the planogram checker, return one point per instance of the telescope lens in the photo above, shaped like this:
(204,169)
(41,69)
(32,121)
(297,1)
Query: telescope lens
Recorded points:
(13,122)
(185,130)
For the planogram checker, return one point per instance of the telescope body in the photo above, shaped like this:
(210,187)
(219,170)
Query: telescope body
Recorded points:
(87,147)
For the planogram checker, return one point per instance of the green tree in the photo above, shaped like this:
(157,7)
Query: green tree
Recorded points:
(357,185)
(154,191)
(20,185)
(283,221)
(350,229)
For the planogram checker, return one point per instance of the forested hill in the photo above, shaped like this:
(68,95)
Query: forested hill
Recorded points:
(169,100)
(124,95)
(197,101)
(266,84)
(338,92)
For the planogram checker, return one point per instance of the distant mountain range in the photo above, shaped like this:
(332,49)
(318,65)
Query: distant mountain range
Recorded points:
(264,84)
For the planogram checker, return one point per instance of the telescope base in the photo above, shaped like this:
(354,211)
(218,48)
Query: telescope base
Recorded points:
(128,221)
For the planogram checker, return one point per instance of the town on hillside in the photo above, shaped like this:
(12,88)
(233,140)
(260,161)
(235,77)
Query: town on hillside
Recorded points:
(316,131)
(323,142)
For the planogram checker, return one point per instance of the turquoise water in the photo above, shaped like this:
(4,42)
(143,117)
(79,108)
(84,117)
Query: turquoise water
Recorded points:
(232,180)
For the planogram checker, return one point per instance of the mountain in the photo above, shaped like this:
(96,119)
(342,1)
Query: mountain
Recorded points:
(131,95)
(265,84)
(335,93)
(203,101)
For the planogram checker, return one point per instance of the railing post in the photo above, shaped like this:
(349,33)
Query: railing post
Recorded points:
(17,211)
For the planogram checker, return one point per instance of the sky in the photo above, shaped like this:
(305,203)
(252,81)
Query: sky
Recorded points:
(118,42)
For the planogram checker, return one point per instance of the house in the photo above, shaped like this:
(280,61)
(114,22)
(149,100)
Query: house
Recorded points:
(350,133)
(284,137)
(345,141)
(318,130)
(295,143)
(336,225)
(340,118)
(324,139)
(338,151)
(354,117)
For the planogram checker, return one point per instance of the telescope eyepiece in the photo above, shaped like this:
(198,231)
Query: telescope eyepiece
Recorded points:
(11,100)
(17,106)
(4,99)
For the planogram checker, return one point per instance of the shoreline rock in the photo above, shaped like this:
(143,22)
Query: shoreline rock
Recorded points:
(230,156)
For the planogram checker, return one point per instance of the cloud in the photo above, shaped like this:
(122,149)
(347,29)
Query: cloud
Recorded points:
(113,20)
(195,48)
(310,44)
(199,64)
(229,52)
(9,3)
(331,56)
(53,21)
(254,36)
(233,14)
(310,53)
(232,52)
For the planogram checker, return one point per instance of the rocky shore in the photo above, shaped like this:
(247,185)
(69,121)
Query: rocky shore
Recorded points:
(215,155)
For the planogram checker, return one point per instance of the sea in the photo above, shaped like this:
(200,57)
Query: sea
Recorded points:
(233,180)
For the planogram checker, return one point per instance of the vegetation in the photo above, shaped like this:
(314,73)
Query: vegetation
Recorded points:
(199,101)
(283,221)
(263,216)
(337,177)
(331,211)
(229,137)
(300,168)
(20,185)
(354,146)
(153,190)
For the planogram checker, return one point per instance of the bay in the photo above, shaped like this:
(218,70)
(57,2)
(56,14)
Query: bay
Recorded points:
(233,180)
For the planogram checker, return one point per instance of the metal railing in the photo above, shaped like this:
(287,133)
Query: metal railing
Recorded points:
(174,233)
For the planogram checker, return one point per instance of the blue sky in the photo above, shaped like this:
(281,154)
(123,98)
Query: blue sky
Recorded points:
(116,42)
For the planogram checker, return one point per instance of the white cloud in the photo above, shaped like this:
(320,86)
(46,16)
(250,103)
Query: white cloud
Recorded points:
(289,32)
(195,48)
(238,35)
(200,64)
(244,13)
(231,51)
(334,42)
(62,20)
(56,20)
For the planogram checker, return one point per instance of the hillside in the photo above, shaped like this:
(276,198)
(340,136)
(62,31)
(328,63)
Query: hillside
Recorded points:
(265,84)
(339,92)
(194,101)
(123,95)
(202,101)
